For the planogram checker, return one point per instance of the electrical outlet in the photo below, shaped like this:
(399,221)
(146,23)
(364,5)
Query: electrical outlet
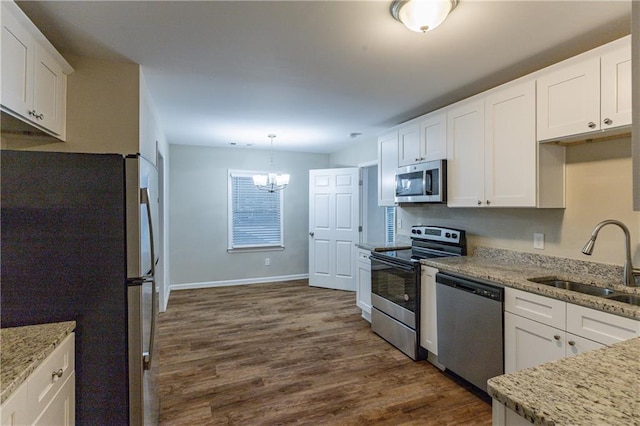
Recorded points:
(538,241)
(267,261)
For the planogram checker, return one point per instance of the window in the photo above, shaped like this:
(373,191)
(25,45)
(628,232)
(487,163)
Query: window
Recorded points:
(255,216)
(390,224)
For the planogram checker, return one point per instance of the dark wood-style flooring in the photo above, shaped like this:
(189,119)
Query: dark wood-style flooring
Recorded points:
(282,353)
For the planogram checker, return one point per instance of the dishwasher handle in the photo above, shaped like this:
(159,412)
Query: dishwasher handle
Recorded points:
(471,286)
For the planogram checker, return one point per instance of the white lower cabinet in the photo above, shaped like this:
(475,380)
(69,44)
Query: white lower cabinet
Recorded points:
(428,314)
(47,397)
(539,329)
(363,283)
(529,343)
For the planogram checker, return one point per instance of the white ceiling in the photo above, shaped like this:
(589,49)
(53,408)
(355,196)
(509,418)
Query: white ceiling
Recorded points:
(313,72)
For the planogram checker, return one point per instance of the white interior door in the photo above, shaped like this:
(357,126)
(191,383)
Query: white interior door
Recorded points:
(333,227)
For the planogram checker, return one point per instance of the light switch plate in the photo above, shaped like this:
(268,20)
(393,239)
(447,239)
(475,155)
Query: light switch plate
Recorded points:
(538,241)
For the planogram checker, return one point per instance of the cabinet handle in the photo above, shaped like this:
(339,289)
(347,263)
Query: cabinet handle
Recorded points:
(557,337)
(418,159)
(40,116)
(311,233)
(32,112)
(57,374)
(572,343)
(591,125)
(608,121)
(488,202)
(479,202)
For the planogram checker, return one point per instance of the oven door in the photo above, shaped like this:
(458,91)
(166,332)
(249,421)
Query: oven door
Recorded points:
(394,289)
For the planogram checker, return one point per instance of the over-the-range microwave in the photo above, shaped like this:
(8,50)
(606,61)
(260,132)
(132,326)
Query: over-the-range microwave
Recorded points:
(422,183)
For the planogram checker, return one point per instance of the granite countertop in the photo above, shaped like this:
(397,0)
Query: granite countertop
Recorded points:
(24,349)
(596,388)
(512,269)
(380,246)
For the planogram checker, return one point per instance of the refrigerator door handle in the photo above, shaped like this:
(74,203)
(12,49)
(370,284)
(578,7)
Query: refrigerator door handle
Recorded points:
(145,199)
(148,355)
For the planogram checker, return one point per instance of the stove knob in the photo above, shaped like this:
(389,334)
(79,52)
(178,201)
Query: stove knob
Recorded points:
(419,231)
(454,236)
(448,235)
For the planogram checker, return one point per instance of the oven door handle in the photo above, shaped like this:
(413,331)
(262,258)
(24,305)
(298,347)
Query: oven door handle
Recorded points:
(393,265)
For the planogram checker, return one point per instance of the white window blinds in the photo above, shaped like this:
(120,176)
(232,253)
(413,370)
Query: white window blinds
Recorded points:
(255,216)
(390,224)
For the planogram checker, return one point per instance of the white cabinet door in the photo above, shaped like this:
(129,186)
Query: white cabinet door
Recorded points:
(48,92)
(510,147)
(615,87)
(569,99)
(578,345)
(409,144)
(363,283)
(465,154)
(387,167)
(528,343)
(428,314)
(433,136)
(17,64)
(61,409)
(13,411)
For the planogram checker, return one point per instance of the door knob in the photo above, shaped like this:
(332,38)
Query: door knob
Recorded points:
(311,233)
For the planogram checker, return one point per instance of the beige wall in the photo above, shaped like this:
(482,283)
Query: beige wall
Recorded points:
(598,187)
(102,110)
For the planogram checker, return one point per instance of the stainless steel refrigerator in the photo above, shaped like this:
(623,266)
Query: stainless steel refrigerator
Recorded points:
(78,244)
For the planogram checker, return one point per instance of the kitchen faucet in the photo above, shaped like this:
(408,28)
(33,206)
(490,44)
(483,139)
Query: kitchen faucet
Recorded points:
(629,271)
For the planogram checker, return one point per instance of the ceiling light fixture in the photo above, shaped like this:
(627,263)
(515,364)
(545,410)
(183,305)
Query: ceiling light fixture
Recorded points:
(271,182)
(422,15)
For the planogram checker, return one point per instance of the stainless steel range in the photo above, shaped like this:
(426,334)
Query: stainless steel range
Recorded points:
(395,285)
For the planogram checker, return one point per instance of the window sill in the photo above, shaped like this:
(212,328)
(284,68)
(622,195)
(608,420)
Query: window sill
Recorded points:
(254,249)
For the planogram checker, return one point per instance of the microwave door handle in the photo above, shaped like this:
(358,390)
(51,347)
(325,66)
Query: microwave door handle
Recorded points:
(428,188)
(145,199)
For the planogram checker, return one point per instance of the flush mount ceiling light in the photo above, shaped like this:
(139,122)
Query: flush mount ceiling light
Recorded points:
(422,15)
(271,182)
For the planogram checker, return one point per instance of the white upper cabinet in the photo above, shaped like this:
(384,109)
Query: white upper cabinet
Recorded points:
(510,146)
(465,157)
(586,93)
(409,143)
(33,74)
(493,158)
(433,136)
(387,166)
(423,139)
(615,75)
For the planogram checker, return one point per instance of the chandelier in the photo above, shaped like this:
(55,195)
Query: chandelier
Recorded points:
(271,182)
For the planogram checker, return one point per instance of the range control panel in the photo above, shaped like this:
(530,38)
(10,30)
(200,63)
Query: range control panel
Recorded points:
(436,233)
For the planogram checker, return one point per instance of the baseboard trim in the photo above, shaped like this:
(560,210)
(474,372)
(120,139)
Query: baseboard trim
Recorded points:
(247,281)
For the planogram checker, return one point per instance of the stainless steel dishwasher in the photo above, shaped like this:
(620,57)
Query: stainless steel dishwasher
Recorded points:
(470,328)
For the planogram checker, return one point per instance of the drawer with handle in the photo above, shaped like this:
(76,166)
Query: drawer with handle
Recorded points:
(49,377)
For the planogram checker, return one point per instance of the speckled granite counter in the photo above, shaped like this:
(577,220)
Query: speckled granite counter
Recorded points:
(513,269)
(600,387)
(379,246)
(24,348)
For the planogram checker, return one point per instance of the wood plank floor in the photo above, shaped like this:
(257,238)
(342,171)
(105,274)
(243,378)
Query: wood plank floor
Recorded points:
(287,353)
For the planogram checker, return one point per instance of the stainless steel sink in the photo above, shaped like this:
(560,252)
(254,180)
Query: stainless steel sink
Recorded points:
(574,286)
(631,299)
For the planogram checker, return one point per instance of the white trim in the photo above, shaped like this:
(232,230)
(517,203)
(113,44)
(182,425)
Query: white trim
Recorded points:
(262,280)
